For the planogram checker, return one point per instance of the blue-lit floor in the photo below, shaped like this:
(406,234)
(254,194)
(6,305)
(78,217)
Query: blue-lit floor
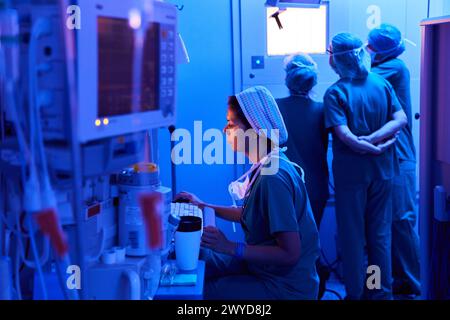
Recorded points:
(335,290)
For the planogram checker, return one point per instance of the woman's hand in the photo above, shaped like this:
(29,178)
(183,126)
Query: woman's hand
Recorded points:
(214,239)
(191,198)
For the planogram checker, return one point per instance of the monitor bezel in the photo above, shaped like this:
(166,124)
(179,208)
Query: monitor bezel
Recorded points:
(87,73)
(281,5)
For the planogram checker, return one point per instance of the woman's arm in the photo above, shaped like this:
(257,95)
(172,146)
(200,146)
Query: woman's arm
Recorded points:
(389,130)
(285,253)
(358,145)
(232,214)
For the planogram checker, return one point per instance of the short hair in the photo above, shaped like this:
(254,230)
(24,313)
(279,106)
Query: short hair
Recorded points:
(234,105)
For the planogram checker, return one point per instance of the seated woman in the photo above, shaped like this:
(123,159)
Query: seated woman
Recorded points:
(278,259)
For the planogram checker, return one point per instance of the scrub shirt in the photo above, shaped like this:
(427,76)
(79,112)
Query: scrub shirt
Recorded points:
(405,241)
(308,145)
(396,72)
(363,182)
(276,203)
(364,105)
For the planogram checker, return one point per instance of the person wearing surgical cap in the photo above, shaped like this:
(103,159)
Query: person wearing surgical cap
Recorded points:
(364,116)
(349,59)
(386,45)
(277,259)
(307,144)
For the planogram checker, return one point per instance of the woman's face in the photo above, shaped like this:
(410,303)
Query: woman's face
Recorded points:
(234,130)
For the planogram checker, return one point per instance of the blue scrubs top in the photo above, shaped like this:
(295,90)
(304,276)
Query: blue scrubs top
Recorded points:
(279,203)
(308,142)
(365,106)
(396,72)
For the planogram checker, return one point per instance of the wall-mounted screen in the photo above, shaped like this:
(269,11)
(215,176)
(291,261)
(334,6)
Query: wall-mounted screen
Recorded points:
(297,30)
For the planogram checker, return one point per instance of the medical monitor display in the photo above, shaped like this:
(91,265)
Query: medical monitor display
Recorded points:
(115,68)
(303,30)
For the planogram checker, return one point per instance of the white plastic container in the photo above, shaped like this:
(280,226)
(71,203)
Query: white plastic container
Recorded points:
(187,242)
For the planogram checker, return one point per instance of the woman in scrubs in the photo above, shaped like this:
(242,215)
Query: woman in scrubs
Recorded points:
(277,260)
(308,138)
(364,115)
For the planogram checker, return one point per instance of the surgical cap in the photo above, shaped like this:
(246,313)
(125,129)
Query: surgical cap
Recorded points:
(301,74)
(349,57)
(262,112)
(386,42)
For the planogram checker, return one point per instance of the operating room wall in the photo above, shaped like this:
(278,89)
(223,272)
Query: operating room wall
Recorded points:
(439,8)
(203,88)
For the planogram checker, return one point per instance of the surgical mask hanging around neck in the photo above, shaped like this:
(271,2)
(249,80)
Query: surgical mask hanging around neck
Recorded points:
(238,189)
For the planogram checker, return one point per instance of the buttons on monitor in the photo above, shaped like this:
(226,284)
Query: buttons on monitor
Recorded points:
(167,71)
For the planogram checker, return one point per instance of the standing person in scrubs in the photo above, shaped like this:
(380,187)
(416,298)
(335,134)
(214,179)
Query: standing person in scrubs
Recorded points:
(308,138)
(364,115)
(386,45)
(277,260)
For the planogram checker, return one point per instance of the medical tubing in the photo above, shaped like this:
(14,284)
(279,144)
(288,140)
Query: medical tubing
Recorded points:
(35,253)
(42,260)
(70,61)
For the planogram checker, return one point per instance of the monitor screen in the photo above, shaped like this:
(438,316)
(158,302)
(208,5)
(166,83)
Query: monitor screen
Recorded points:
(304,30)
(115,68)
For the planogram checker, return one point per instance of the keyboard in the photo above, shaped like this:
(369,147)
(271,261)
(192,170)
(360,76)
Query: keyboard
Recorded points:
(186,209)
